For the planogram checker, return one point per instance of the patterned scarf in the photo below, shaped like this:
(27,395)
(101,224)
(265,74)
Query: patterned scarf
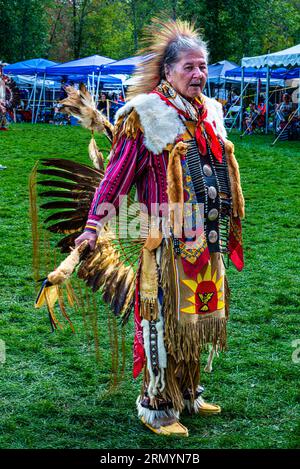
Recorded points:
(195,111)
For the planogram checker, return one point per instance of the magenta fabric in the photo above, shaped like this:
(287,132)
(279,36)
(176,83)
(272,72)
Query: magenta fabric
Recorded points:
(131,163)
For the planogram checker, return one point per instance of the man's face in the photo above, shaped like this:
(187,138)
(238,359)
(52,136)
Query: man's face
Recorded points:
(188,76)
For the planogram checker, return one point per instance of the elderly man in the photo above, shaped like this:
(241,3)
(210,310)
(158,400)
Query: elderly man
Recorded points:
(170,142)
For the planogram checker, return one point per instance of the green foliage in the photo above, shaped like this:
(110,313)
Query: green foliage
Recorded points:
(53,392)
(67,29)
(108,31)
(23,30)
(243,28)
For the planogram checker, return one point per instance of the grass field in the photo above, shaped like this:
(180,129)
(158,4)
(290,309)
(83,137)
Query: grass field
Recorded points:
(54,394)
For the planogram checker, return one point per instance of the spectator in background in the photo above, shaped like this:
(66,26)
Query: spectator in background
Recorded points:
(233,98)
(250,117)
(62,93)
(102,103)
(286,121)
(285,108)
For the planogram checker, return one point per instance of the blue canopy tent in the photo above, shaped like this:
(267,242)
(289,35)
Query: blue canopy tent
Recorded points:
(28,67)
(32,67)
(279,73)
(85,66)
(126,66)
(92,65)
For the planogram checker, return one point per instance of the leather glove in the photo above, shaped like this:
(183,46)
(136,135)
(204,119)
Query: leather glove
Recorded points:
(89,236)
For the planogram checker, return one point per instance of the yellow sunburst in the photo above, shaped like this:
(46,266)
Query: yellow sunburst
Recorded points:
(207,295)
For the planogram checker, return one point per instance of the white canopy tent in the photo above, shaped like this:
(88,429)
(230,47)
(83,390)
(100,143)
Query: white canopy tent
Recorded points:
(288,58)
(284,58)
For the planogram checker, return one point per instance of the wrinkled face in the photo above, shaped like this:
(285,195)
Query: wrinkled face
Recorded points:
(188,76)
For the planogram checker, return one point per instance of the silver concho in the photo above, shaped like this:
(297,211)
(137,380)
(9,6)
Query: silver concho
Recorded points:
(207,170)
(212,236)
(213,214)
(212,192)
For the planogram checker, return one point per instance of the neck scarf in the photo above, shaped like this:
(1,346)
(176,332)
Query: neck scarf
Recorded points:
(195,111)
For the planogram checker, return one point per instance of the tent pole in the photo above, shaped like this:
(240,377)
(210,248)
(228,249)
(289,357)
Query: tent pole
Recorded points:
(33,104)
(40,97)
(93,94)
(98,84)
(44,94)
(267,98)
(241,98)
(208,87)
(257,91)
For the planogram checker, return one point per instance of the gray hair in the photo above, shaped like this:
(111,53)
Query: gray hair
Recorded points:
(181,44)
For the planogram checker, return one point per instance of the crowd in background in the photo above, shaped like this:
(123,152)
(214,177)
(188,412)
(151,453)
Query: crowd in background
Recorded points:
(282,116)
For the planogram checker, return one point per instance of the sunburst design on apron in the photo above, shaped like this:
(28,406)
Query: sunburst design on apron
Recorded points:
(207,294)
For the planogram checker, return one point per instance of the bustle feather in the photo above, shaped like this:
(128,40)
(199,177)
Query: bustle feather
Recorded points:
(80,104)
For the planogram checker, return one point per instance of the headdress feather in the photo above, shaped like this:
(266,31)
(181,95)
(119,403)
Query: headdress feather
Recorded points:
(157,36)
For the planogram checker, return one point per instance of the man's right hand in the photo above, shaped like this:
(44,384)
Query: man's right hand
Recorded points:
(89,236)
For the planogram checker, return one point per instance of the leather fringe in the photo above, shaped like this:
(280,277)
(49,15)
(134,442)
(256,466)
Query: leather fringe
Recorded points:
(191,339)
(148,309)
(181,378)
(185,341)
(148,286)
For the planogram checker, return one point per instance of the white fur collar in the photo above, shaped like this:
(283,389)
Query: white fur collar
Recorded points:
(215,116)
(161,123)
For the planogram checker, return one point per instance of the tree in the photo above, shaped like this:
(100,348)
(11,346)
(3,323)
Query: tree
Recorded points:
(23,29)
(243,28)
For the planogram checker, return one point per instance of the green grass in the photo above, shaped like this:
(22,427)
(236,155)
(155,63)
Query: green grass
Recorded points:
(54,394)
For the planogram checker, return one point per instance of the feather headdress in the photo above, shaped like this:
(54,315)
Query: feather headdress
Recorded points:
(157,37)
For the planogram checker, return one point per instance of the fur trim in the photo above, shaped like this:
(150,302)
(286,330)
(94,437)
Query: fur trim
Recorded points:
(238,203)
(193,407)
(151,415)
(132,124)
(175,186)
(66,268)
(156,383)
(160,123)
